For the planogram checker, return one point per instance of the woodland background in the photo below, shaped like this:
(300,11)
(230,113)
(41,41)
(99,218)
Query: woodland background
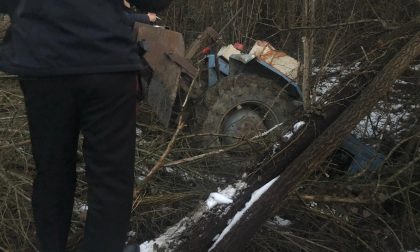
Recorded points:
(330,211)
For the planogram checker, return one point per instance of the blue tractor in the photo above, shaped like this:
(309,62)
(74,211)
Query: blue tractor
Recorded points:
(237,97)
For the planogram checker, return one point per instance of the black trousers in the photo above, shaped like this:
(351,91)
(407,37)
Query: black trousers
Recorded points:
(102,107)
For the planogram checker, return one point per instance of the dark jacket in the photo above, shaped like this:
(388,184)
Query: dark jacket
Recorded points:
(7,6)
(150,5)
(133,17)
(67,37)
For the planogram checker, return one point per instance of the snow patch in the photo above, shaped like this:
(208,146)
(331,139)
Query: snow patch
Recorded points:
(216,237)
(131,233)
(255,196)
(287,136)
(338,70)
(401,82)
(224,196)
(216,199)
(171,237)
(383,118)
(415,68)
(324,86)
(169,170)
(298,126)
(139,132)
(265,133)
(276,147)
(83,208)
(415,250)
(80,207)
(278,221)
(313,204)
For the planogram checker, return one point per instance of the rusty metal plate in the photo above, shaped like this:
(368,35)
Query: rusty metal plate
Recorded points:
(164,85)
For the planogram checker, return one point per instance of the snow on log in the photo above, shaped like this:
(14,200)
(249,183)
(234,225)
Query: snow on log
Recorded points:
(172,238)
(254,197)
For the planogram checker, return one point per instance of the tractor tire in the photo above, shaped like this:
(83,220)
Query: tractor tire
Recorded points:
(239,108)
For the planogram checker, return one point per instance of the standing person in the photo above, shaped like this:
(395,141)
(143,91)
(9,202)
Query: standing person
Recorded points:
(77,64)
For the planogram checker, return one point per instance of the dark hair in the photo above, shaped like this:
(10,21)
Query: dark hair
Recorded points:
(151,5)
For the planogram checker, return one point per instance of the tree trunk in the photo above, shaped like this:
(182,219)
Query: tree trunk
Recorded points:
(309,18)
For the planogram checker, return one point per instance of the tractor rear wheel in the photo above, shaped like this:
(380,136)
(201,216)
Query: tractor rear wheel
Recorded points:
(238,111)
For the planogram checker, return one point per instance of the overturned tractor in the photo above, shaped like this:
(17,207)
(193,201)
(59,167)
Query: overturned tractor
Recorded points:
(240,101)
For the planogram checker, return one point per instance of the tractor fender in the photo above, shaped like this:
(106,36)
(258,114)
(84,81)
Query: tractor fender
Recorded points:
(249,64)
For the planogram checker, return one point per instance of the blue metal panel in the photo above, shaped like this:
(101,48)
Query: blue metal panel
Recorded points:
(290,81)
(223,68)
(211,63)
(250,64)
(364,156)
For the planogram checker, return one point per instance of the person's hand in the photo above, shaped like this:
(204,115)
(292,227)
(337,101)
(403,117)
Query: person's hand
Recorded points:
(127,4)
(152,17)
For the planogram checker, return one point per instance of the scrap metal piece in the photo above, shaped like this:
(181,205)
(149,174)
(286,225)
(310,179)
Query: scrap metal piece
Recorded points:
(208,37)
(187,67)
(277,59)
(164,84)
